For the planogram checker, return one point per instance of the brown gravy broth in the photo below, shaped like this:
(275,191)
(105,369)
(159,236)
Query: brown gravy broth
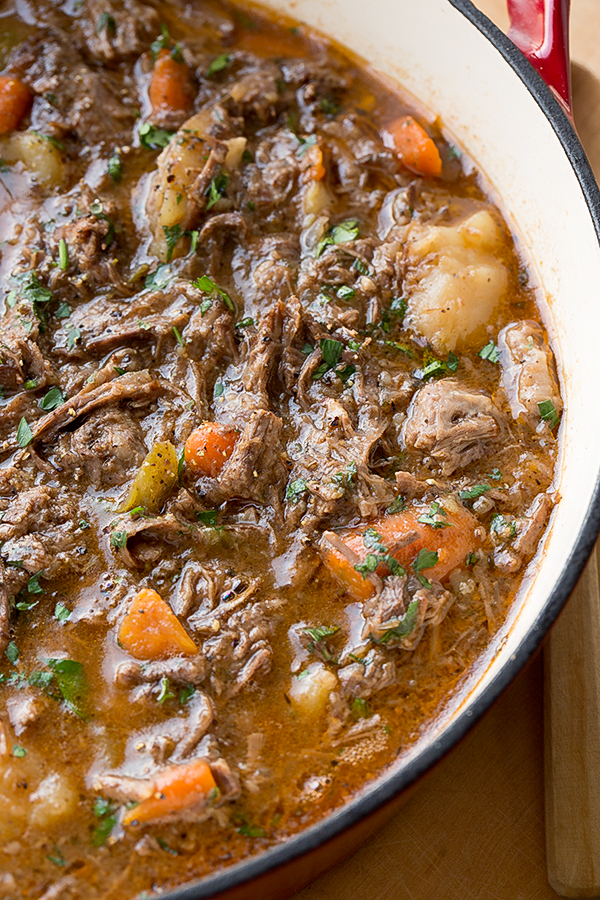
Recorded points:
(326,280)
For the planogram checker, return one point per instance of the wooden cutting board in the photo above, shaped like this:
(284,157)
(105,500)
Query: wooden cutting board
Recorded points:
(475,829)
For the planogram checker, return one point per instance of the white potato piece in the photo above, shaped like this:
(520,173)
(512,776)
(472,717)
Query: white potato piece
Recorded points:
(309,691)
(53,800)
(455,281)
(40,156)
(317,198)
(185,168)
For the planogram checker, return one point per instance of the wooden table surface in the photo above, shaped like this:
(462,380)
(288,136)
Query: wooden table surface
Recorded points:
(474,830)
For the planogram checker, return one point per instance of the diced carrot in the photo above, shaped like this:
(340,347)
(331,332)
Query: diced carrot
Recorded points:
(413,145)
(209,447)
(452,544)
(312,165)
(176,788)
(15,100)
(171,84)
(151,630)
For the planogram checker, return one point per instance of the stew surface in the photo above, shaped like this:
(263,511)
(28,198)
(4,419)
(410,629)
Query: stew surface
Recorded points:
(277,432)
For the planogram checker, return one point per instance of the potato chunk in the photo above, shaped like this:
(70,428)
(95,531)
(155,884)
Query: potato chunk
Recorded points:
(309,691)
(40,156)
(54,799)
(455,280)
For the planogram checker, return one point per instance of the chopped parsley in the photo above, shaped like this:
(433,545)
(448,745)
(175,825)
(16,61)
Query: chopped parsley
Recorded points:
(429,518)
(360,709)
(33,585)
(165,692)
(178,337)
(63,254)
(331,350)
(496,474)
(107,23)
(218,64)
(503,527)
(254,831)
(208,517)
(186,694)
(218,390)
(159,279)
(72,684)
(19,751)
(471,559)
(51,140)
(330,106)
(106,812)
(63,311)
(476,491)
(436,368)
(62,612)
(425,559)
(24,433)
(490,352)
(216,189)
(245,323)
(295,489)
(378,555)
(73,336)
(56,857)
(206,284)
(305,145)
(118,539)
(172,235)
(345,293)
(548,413)
(339,234)
(53,399)
(405,626)
(347,476)
(399,505)
(114,167)
(153,138)
(12,653)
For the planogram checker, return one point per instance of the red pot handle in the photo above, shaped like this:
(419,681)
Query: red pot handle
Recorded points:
(540,29)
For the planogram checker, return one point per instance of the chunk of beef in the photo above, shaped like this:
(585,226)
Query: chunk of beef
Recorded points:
(265,267)
(410,487)
(511,555)
(115,30)
(364,679)
(108,446)
(385,610)
(20,356)
(237,645)
(255,97)
(89,238)
(85,101)
(271,179)
(528,372)
(138,386)
(178,670)
(453,424)
(175,739)
(254,471)
(144,540)
(29,510)
(335,462)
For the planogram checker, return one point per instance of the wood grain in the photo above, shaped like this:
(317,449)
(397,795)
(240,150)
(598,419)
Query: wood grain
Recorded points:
(474,830)
(572,744)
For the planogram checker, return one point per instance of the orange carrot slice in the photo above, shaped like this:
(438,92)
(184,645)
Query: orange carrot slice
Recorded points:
(15,100)
(413,145)
(176,788)
(209,447)
(151,630)
(171,84)
(452,544)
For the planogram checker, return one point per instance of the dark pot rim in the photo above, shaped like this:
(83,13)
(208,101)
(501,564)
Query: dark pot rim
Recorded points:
(390,786)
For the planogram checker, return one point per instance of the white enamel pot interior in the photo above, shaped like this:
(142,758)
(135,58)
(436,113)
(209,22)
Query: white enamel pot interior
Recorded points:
(491,102)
